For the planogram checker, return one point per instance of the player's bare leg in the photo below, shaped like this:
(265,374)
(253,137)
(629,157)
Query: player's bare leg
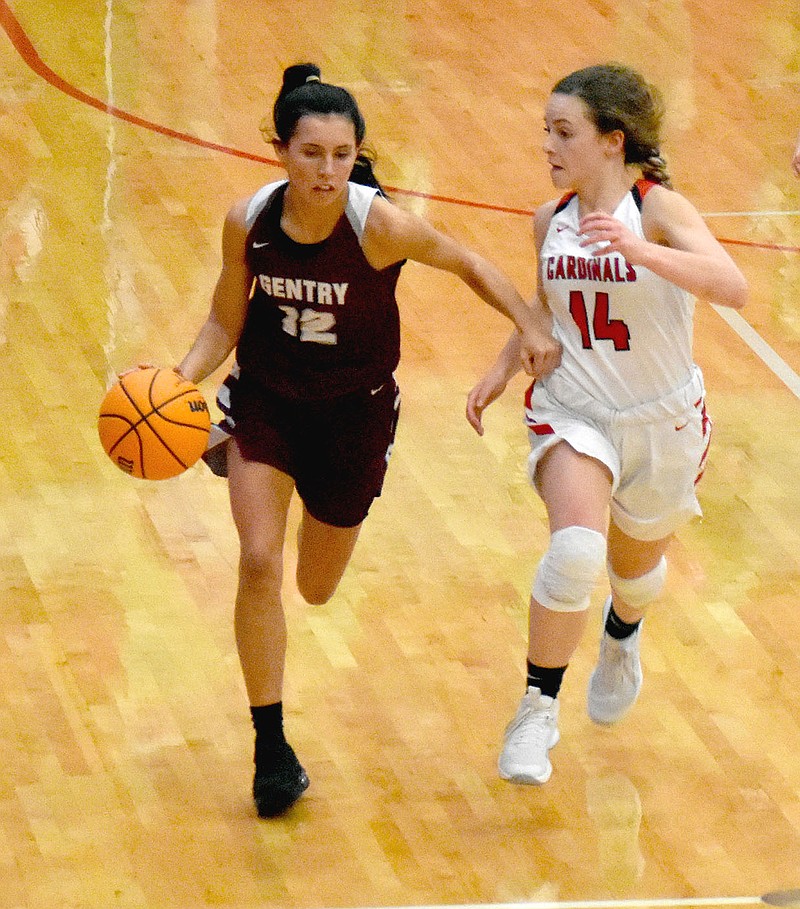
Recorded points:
(260,497)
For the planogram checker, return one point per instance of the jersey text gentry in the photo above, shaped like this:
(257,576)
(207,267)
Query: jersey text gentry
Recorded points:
(319,292)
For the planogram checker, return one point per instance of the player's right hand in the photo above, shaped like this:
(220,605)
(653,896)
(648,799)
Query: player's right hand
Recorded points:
(489,389)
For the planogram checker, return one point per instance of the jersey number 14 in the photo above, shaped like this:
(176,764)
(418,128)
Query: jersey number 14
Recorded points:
(602,328)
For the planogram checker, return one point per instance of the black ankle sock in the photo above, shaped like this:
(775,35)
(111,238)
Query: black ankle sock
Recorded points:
(546,679)
(268,723)
(618,629)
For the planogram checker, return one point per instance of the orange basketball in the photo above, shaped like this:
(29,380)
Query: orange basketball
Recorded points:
(154,424)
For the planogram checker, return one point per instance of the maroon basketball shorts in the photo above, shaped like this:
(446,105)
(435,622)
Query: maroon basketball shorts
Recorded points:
(336,450)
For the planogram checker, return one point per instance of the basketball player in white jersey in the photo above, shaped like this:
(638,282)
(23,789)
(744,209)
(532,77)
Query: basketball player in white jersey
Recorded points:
(619,431)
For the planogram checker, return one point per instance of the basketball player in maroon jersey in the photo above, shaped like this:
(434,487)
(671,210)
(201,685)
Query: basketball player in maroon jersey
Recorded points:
(306,297)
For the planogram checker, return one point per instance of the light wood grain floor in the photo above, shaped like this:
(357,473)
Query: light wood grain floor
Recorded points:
(126,130)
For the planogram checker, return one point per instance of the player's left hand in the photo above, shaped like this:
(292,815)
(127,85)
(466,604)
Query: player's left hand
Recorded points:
(539,351)
(611,235)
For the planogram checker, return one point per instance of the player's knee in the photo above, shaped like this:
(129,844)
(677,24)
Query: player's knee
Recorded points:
(569,569)
(639,592)
(260,568)
(315,591)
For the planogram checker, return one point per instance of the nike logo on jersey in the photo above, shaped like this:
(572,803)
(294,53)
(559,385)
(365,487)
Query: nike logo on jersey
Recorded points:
(679,428)
(259,245)
(561,227)
(374,391)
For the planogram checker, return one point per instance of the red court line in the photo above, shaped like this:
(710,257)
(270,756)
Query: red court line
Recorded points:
(29,54)
(775,246)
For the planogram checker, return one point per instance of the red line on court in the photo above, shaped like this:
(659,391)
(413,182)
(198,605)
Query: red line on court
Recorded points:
(775,246)
(29,54)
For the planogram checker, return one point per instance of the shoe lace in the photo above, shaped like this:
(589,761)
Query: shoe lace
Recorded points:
(533,726)
(618,660)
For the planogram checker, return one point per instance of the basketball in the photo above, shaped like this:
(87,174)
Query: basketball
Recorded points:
(153,423)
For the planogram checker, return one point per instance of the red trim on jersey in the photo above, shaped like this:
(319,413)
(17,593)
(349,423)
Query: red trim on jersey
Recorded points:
(640,188)
(645,186)
(563,202)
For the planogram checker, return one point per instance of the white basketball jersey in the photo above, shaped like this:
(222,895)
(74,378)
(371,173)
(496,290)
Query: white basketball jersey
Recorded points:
(626,333)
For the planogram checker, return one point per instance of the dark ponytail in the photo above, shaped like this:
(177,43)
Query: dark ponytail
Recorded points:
(363,172)
(302,94)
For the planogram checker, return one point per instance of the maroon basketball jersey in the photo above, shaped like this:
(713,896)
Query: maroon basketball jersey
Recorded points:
(321,321)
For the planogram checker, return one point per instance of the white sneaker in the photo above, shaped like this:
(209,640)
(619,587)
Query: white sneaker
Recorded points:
(528,738)
(617,679)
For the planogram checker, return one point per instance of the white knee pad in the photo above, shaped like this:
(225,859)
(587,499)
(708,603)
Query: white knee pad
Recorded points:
(638,592)
(569,569)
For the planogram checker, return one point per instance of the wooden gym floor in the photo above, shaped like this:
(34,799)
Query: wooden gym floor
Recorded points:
(126,130)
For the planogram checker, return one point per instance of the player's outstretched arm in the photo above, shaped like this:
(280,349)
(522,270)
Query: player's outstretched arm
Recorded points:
(393,234)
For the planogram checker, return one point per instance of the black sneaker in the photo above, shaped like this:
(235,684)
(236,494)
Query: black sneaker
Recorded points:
(279,780)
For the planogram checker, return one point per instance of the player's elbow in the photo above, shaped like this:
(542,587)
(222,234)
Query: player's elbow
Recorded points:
(735,293)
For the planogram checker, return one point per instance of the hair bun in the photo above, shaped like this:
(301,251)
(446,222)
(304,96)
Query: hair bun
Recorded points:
(299,74)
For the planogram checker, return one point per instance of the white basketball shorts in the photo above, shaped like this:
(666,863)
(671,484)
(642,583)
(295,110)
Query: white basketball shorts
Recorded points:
(656,452)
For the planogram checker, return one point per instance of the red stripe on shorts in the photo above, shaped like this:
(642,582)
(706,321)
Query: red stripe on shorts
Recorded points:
(539,429)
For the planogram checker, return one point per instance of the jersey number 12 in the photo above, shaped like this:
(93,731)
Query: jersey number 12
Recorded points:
(309,325)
